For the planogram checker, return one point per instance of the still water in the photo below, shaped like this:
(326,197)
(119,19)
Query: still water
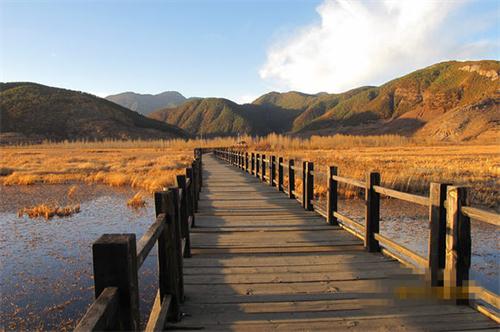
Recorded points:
(46,266)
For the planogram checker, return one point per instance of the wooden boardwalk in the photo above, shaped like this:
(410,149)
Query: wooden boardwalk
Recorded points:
(261,262)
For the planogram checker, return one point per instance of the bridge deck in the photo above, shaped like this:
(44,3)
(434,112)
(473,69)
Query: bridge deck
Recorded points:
(260,262)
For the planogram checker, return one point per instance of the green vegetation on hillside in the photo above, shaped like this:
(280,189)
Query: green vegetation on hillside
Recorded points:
(146,103)
(41,112)
(222,117)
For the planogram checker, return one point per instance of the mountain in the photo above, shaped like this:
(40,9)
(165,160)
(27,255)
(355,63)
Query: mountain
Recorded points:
(452,100)
(32,112)
(146,103)
(221,117)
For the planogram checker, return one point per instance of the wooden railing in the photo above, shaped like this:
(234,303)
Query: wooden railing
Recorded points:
(117,259)
(448,261)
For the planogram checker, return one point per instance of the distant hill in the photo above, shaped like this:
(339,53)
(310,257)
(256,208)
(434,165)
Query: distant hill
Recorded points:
(31,111)
(451,101)
(448,101)
(222,117)
(146,103)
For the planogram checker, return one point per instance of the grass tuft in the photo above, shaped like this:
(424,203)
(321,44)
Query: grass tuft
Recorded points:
(48,211)
(137,201)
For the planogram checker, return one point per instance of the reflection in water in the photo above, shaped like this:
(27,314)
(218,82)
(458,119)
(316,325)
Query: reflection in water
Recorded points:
(46,266)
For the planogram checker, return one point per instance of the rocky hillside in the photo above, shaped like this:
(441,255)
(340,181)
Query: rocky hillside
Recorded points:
(221,117)
(146,103)
(31,112)
(448,101)
(454,101)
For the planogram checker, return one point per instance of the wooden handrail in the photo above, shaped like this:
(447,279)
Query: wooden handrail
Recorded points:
(352,182)
(417,199)
(400,249)
(102,313)
(481,215)
(147,241)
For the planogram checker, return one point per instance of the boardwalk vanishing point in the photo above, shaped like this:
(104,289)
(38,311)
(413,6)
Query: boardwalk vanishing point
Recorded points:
(237,254)
(261,262)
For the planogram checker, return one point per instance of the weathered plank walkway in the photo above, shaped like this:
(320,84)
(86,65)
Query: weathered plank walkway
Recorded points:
(261,262)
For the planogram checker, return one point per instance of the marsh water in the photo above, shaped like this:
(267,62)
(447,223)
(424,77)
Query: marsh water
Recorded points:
(46,265)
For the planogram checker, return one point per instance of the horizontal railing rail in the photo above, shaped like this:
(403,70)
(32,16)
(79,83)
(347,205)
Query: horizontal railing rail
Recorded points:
(117,259)
(449,245)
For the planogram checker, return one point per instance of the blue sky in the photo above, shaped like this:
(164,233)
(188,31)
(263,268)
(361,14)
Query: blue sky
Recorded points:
(236,49)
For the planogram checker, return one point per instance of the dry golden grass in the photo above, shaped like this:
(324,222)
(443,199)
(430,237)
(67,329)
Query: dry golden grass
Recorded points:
(405,164)
(408,167)
(137,201)
(148,165)
(48,211)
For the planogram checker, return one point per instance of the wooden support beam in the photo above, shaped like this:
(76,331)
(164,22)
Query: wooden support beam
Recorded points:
(304,183)
(252,163)
(167,254)
(184,214)
(458,246)
(291,178)
(309,187)
(280,174)
(115,265)
(372,212)
(257,165)
(437,233)
(272,175)
(263,168)
(331,197)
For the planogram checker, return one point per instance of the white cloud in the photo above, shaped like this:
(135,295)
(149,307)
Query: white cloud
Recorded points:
(366,42)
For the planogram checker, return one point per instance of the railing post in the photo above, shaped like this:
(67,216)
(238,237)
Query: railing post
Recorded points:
(194,165)
(331,197)
(176,215)
(115,265)
(246,162)
(192,195)
(200,165)
(309,186)
(257,165)
(304,183)
(184,214)
(437,233)
(272,176)
(280,174)
(167,258)
(291,178)
(372,212)
(458,245)
(263,169)
(252,164)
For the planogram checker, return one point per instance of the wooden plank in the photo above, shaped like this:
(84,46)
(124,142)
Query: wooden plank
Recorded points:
(351,321)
